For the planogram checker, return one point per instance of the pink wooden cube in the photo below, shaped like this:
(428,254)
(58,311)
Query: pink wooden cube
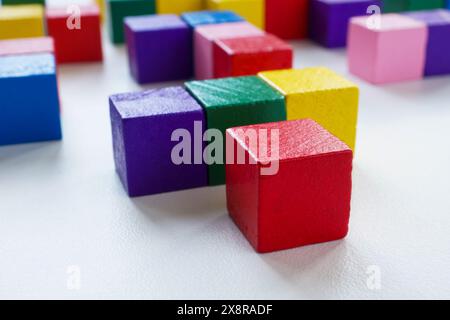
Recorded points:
(204,38)
(392,49)
(26,46)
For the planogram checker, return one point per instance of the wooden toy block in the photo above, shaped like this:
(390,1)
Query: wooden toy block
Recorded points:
(159,48)
(16,2)
(26,46)
(142,127)
(178,6)
(199,18)
(118,10)
(251,10)
(29,99)
(375,56)
(321,95)
(307,200)
(328,21)
(287,19)
(390,6)
(82,43)
(231,102)
(250,55)
(204,37)
(417,5)
(448,4)
(21,21)
(438,45)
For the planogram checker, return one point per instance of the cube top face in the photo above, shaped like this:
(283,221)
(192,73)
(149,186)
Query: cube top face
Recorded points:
(29,11)
(199,18)
(296,139)
(27,65)
(230,92)
(297,81)
(432,17)
(390,22)
(86,10)
(228,30)
(255,44)
(154,23)
(155,102)
(26,46)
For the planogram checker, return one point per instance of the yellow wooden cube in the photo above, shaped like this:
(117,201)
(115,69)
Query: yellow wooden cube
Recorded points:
(321,95)
(178,6)
(21,21)
(251,10)
(102,6)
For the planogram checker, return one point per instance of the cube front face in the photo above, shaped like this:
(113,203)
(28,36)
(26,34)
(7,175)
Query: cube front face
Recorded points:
(250,55)
(329,19)
(120,9)
(315,205)
(29,99)
(143,125)
(252,11)
(231,102)
(178,6)
(24,21)
(159,54)
(204,38)
(306,201)
(321,95)
(438,46)
(82,44)
(195,19)
(287,20)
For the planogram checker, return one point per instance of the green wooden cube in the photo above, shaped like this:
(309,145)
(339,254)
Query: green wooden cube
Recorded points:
(416,5)
(118,10)
(13,2)
(232,102)
(390,6)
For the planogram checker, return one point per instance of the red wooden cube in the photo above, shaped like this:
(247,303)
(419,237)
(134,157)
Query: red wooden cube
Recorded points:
(250,55)
(288,19)
(76,34)
(292,191)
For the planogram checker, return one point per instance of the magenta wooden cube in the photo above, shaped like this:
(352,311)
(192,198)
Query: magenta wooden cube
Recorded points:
(159,48)
(328,20)
(143,127)
(438,47)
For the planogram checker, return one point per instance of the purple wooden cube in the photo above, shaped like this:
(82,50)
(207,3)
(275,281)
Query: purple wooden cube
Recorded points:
(142,127)
(159,48)
(438,47)
(328,21)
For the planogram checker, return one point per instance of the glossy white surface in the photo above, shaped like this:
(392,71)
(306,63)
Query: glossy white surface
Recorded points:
(62,205)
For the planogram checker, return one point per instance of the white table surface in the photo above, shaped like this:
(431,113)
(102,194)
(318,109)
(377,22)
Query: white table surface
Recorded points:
(68,230)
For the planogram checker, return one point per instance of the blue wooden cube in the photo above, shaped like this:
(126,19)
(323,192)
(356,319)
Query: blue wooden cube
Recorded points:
(29,102)
(199,18)
(159,48)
